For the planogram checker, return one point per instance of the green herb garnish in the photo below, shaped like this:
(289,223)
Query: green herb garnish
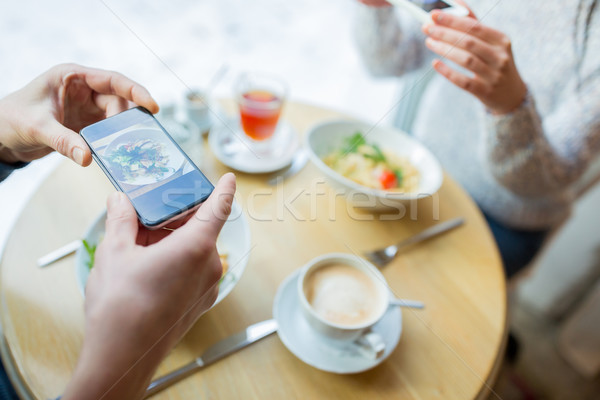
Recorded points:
(142,158)
(378,156)
(399,176)
(91,250)
(353,143)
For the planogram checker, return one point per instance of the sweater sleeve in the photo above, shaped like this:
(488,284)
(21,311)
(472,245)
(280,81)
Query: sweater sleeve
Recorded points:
(533,155)
(4,172)
(389,41)
(6,169)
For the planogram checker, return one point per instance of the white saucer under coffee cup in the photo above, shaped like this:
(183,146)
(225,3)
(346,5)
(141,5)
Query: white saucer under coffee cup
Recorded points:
(342,296)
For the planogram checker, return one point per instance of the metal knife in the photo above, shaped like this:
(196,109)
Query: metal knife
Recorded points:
(214,353)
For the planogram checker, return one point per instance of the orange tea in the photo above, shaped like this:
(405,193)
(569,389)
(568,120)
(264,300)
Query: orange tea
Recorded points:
(259,113)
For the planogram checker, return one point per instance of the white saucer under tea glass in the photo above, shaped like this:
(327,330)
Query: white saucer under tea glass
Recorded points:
(309,346)
(233,148)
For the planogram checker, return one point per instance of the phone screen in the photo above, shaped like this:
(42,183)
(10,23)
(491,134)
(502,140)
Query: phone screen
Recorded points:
(145,163)
(429,5)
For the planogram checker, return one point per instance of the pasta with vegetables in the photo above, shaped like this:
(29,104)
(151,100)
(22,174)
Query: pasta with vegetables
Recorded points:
(369,165)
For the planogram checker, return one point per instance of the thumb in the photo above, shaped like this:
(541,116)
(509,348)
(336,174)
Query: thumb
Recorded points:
(212,214)
(121,219)
(67,142)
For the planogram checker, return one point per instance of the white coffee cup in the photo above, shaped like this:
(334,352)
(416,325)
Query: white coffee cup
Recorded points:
(342,297)
(197,109)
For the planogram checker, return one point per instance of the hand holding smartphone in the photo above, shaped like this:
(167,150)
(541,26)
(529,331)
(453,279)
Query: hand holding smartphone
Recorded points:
(142,160)
(420,8)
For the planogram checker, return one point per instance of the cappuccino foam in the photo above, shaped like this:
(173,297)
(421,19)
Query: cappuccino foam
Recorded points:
(342,294)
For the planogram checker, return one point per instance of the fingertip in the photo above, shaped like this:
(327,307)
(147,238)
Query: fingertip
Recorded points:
(86,160)
(439,66)
(146,100)
(80,153)
(114,201)
(121,220)
(150,104)
(154,108)
(230,178)
(227,185)
(140,96)
(79,150)
(437,16)
(77,155)
(218,206)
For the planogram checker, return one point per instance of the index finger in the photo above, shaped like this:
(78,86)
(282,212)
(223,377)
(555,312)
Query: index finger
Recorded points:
(111,82)
(468,25)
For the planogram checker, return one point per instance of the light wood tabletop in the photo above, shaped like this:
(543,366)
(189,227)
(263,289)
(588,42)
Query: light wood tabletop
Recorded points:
(450,350)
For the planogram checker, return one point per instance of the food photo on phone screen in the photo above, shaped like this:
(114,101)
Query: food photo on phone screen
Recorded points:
(143,161)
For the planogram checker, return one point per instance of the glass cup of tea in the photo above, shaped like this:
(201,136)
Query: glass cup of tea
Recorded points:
(260,98)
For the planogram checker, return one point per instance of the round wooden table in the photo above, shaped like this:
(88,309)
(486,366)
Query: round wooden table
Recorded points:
(450,350)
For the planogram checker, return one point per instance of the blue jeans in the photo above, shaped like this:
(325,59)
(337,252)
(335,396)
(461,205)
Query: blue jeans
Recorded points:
(7,392)
(517,247)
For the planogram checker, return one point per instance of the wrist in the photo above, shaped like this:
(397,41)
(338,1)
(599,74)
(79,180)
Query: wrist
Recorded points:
(7,156)
(518,102)
(113,372)
(522,125)
(118,358)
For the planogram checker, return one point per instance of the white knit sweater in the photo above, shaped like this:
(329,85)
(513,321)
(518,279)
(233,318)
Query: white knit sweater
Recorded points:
(521,167)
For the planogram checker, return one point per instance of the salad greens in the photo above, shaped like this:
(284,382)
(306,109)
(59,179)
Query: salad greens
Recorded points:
(369,165)
(91,251)
(378,154)
(399,175)
(138,159)
(373,152)
(352,143)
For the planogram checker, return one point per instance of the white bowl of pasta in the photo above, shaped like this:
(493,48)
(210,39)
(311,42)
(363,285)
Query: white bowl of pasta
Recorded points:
(375,167)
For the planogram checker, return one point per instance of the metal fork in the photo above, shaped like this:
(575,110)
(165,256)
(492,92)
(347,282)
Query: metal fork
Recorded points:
(382,257)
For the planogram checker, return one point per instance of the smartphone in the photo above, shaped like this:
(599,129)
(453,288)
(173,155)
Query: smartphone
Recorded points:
(420,8)
(430,5)
(143,161)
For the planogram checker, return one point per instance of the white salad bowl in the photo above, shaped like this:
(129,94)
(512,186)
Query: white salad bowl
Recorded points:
(328,137)
(234,241)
